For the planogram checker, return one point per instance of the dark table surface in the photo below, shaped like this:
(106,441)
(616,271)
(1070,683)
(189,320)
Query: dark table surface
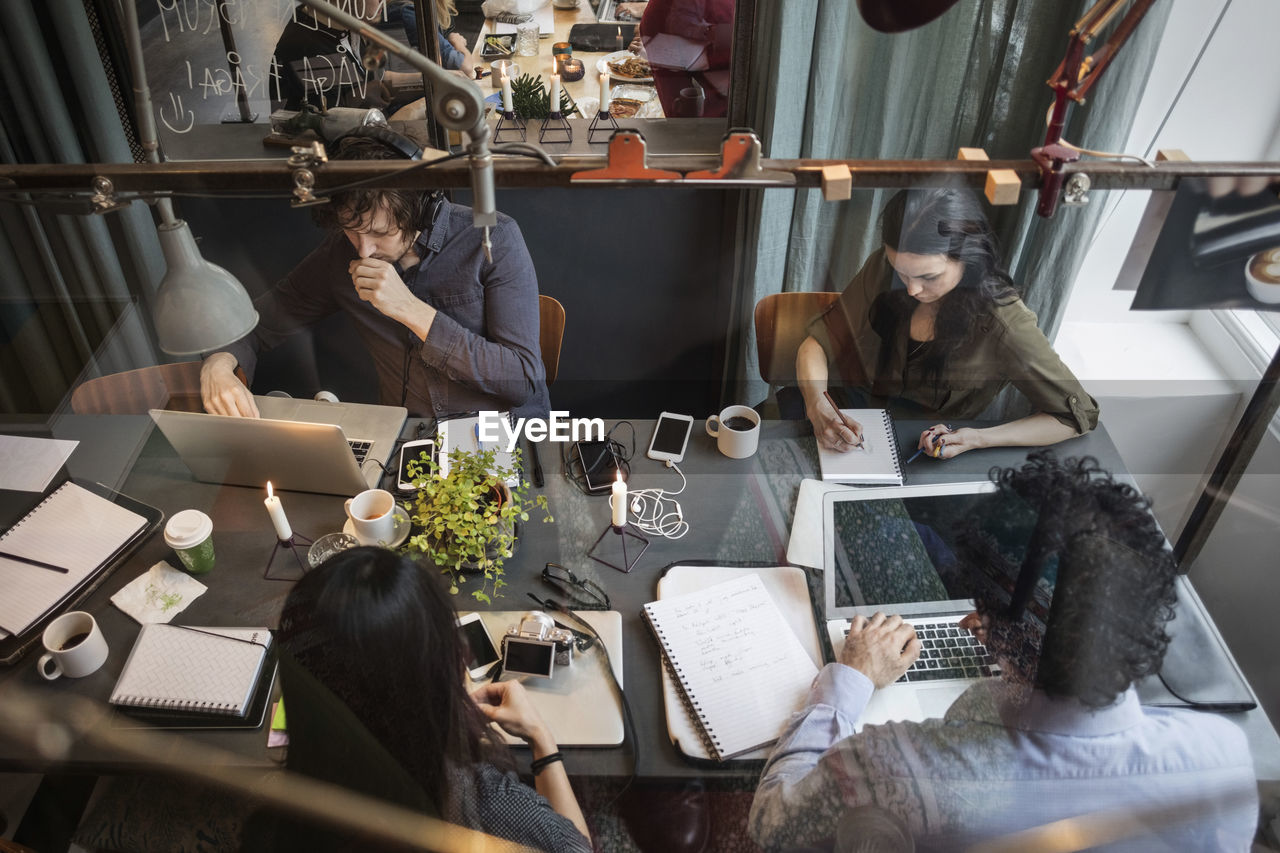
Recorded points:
(738,510)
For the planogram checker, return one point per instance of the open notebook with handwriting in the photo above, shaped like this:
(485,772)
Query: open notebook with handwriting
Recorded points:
(740,667)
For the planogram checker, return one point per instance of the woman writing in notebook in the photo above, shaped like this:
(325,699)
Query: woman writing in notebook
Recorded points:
(379,633)
(933,327)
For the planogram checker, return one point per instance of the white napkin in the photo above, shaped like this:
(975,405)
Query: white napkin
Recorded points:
(159,595)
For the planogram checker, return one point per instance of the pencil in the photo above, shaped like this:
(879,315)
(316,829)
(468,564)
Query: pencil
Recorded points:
(30,562)
(843,419)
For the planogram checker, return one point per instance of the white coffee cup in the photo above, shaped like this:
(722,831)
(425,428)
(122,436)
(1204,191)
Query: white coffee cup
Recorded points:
(373,516)
(1262,276)
(75,646)
(736,431)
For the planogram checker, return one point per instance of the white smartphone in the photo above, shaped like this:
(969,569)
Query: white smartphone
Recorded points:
(480,652)
(670,437)
(411,451)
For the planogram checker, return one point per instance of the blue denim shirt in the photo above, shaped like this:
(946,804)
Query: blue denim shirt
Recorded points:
(481,352)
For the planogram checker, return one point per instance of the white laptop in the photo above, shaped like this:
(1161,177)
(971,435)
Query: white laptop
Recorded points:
(890,550)
(299,445)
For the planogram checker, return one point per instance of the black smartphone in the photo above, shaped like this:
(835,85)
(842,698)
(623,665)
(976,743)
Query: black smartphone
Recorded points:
(597,463)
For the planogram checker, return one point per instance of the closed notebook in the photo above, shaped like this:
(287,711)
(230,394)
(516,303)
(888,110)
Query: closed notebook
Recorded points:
(875,463)
(200,670)
(740,668)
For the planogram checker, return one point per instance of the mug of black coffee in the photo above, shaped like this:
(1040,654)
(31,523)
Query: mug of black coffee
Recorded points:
(74,646)
(736,431)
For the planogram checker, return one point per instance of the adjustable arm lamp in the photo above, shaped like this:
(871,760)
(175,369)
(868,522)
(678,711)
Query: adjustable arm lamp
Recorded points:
(456,104)
(200,307)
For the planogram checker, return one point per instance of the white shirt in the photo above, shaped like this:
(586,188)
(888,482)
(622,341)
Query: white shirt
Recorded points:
(1006,759)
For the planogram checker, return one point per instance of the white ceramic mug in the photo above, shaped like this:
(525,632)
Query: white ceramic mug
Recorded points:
(736,431)
(373,516)
(1262,276)
(74,646)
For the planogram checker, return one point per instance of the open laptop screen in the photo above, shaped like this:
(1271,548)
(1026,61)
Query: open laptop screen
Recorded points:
(892,549)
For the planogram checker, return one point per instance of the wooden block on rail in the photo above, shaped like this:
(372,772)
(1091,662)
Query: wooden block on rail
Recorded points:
(1003,186)
(971,154)
(837,182)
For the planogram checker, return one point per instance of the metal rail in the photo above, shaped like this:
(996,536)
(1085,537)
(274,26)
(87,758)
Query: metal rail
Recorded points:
(276,176)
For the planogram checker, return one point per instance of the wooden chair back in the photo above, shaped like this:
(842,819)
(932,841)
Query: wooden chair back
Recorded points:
(133,392)
(550,334)
(780,320)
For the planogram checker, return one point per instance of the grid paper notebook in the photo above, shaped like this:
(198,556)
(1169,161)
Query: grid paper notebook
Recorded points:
(205,670)
(740,668)
(876,462)
(72,528)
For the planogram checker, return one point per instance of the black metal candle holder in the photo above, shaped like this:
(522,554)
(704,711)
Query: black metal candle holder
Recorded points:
(556,126)
(598,126)
(511,124)
(611,546)
(289,545)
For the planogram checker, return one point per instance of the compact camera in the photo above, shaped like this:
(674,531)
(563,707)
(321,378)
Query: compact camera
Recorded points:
(536,646)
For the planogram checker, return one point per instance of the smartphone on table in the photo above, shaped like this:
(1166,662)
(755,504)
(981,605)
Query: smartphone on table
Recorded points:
(670,437)
(411,451)
(480,652)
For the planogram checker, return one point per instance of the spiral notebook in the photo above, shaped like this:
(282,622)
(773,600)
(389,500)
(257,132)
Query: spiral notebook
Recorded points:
(52,550)
(193,670)
(740,668)
(875,463)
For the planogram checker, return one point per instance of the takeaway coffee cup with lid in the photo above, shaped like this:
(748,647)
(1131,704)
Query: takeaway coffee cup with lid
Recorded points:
(190,534)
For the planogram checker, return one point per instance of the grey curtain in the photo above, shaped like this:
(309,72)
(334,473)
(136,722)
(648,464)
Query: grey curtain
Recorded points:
(827,86)
(68,282)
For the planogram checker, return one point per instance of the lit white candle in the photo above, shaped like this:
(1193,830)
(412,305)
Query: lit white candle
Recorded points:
(618,500)
(506,93)
(276,511)
(604,93)
(555,93)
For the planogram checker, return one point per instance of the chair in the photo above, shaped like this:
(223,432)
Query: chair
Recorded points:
(134,392)
(550,334)
(780,320)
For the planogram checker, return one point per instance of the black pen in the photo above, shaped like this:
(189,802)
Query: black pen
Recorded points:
(538,479)
(30,562)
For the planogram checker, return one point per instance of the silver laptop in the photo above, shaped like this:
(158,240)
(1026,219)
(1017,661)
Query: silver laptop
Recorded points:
(299,445)
(891,550)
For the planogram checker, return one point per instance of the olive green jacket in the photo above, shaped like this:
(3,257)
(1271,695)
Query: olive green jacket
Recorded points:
(1007,347)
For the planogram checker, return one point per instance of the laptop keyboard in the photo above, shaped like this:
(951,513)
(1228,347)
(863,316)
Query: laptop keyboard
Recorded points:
(360,448)
(948,651)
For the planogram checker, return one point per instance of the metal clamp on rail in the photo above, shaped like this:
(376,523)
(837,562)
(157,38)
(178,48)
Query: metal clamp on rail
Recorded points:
(740,163)
(628,161)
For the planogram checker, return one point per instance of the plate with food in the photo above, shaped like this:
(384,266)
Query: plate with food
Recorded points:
(625,65)
(497,47)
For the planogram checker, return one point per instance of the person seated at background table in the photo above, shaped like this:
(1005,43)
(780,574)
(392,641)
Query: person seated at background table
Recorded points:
(1060,733)
(317,61)
(933,327)
(454,54)
(449,331)
(378,632)
(688,93)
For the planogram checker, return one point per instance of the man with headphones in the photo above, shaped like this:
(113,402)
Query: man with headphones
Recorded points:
(449,331)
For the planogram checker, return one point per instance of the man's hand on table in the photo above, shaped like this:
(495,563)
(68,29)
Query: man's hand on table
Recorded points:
(221,392)
(378,283)
(882,648)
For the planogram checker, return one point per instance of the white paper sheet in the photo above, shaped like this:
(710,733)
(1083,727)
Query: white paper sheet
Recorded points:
(28,464)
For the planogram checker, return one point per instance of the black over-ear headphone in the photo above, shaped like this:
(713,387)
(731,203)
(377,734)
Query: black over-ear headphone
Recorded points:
(397,142)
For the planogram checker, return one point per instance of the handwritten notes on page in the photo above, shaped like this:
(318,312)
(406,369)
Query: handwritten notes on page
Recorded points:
(741,668)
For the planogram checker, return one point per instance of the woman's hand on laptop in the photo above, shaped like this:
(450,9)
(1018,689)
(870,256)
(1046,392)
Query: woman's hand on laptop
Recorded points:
(882,648)
(220,390)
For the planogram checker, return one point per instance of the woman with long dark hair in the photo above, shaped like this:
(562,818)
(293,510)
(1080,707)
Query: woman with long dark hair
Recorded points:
(933,327)
(379,632)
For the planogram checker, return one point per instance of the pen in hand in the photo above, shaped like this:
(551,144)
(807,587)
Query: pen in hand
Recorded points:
(843,419)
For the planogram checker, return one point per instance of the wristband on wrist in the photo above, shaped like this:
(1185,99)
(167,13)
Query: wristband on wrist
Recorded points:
(539,764)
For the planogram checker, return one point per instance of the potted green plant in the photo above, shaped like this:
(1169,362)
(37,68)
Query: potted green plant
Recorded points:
(466,522)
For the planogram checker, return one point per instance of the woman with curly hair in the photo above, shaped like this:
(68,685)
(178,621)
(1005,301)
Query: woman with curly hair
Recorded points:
(1074,587)
(933,327)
